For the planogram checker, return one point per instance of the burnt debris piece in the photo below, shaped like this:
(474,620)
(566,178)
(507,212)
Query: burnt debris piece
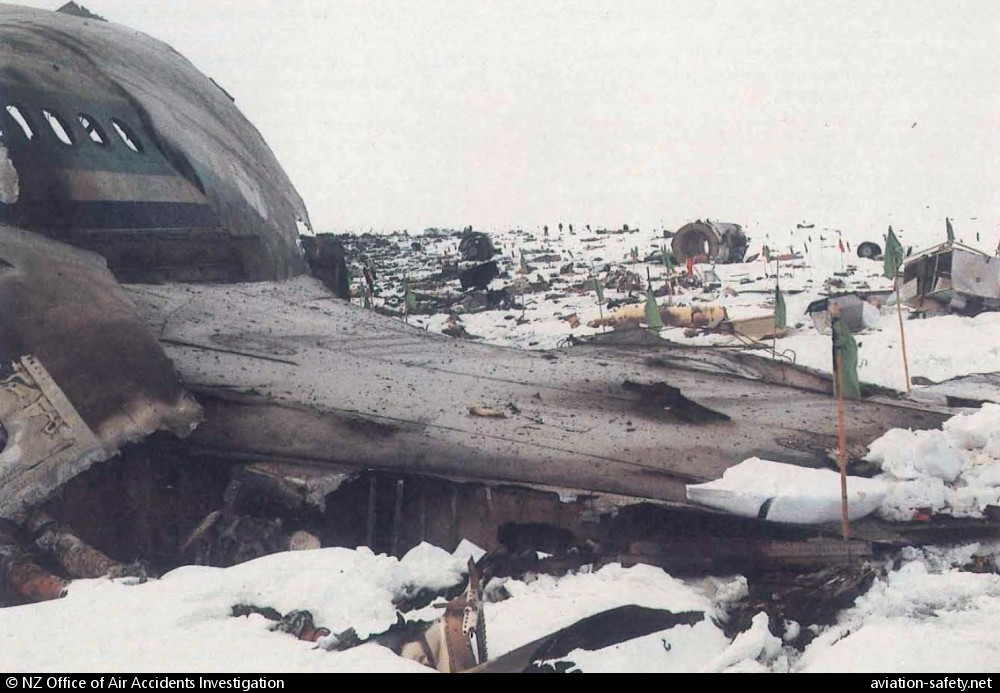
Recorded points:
(476,246)
(951,277)
(479,277)
(328,261)
(709,241)
(857,310)
(869,250)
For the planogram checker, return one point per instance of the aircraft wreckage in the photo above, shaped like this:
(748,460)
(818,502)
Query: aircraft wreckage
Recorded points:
(178,388)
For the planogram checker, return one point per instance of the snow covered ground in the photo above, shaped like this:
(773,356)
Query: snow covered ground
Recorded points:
(925,616)
(928,613)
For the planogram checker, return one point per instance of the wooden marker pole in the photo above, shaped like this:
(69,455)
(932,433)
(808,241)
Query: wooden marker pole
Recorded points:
(902,334)
(777,287)
(845,526)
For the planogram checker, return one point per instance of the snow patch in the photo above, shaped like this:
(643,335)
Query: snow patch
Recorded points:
(795,494)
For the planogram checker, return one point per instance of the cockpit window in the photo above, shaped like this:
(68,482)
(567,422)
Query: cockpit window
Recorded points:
(93,130)
(59,127)
(15,113)
(126,135)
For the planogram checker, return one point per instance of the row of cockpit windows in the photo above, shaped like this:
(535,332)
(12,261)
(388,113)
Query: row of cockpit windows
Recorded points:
(63,133)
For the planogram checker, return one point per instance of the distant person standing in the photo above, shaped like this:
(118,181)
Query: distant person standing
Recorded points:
(370,279)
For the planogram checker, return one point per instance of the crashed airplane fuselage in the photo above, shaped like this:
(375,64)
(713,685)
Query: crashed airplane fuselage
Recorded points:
(152,279)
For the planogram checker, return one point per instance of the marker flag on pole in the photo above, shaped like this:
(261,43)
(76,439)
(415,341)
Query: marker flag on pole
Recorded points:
(653,320)
(846,348)
(524,264)
(667,257)
(840,242)
(893,255)
(780,312)
(950,230)
(599,288)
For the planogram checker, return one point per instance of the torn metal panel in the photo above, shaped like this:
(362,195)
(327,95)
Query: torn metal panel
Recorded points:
(63,307)
(595,632)
(975,274)
(95,368)
(47,441)
(963,391)
(113,133)
(296,485)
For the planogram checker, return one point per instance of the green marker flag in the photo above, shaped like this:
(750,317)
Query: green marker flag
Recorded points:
(780,312)
(667,257)
(524,264)
(950,230)
(893,255)
(653,320)
(599,288)
(846,350)
(410,298)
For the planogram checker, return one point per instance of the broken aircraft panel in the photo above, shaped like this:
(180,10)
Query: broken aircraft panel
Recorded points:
(953,277)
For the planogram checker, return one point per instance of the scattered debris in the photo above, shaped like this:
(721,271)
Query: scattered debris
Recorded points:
(858,311)
(869,250)
(592,633)
(700,316)
(486,412)
(297,623)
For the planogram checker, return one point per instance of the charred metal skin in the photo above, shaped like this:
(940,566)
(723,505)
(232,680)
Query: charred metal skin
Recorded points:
(63,307)
(323,382)
(115,143)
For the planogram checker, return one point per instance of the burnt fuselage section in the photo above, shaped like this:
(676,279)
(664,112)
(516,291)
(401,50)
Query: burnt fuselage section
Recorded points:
(112,142)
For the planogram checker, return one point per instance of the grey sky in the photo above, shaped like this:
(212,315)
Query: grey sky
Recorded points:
(406,115)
